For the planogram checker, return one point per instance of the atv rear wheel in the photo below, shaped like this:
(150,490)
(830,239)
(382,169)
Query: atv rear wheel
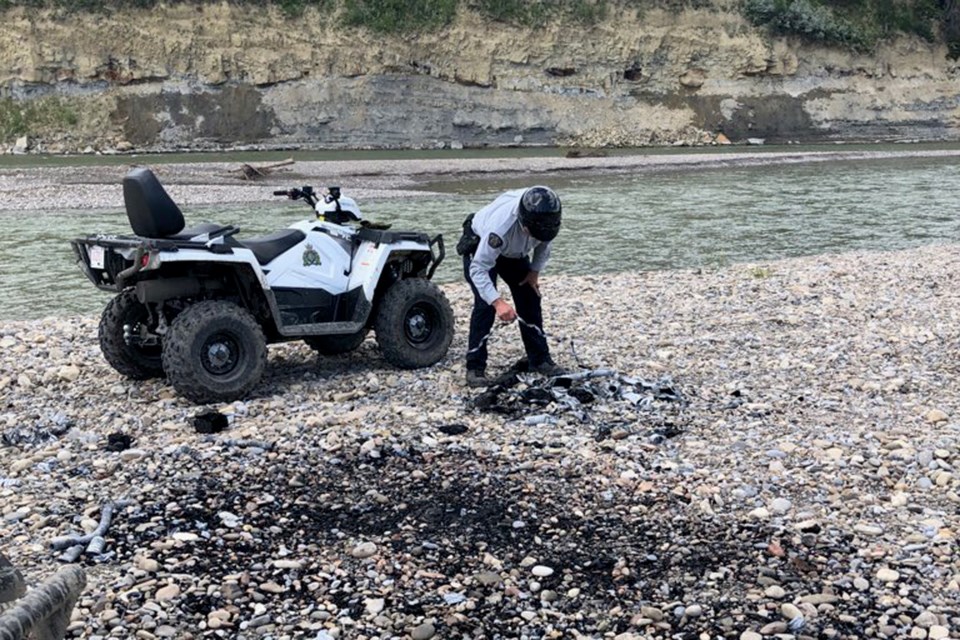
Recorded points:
(136,361)
(334,345)
(214,352)
(415,324)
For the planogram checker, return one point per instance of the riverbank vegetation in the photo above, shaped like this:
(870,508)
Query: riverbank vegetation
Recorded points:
(854,24)
(18,118)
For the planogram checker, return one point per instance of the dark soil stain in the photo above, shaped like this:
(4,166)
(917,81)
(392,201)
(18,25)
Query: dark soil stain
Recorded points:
(619,547)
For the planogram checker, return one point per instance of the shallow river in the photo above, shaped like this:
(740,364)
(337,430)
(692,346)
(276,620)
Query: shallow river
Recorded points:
(661,220)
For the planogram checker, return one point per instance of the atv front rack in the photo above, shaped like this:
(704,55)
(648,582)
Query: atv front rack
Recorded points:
(438,257)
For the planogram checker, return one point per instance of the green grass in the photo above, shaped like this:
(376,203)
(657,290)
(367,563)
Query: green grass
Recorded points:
(32,117)
(537,13)
(400,16)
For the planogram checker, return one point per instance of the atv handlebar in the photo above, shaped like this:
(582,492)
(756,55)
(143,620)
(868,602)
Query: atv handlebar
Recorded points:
(303,193)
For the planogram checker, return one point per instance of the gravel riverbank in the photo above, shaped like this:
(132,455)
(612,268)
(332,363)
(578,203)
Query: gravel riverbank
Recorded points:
(204,183)
(806,486)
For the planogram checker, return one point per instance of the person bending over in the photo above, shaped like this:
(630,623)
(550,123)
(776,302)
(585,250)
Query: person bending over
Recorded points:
(498,241)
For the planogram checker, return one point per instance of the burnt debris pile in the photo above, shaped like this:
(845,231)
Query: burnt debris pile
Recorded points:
(603,398)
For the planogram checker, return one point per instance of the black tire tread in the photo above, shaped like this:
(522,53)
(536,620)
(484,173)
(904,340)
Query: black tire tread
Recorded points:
(183,368)
(126,359)
(389,327)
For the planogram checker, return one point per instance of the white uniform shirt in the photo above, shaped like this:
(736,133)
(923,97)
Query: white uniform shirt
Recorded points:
(501,234)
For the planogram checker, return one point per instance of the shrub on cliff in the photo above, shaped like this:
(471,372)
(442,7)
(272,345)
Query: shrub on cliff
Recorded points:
(951,26)
(855,24)
(803,18)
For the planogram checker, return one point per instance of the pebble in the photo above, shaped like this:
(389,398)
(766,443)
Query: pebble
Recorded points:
(374,605)
(168,592)
(868,529)
(424,631)
(364,550)
(129,455)
(885,574)
(926,620)
(790,612)
(69,373)
(541,571)
(775,591)
(147,564)
(653,613)
(185,536)
(271,587)
(781,505)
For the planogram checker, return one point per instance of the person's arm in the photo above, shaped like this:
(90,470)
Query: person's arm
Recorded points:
(483,261)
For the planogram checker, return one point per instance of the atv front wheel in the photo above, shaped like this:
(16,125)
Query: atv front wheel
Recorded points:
(214,352)
(415,324)
(334,345)
(134,360)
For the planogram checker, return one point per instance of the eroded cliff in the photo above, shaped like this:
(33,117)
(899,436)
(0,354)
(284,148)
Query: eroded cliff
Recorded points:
(220,75)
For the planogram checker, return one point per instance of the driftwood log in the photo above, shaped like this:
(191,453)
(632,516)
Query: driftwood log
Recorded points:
(250,172)
(42,613)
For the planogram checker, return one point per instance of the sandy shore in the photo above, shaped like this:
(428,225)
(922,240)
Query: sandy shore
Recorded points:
(808,486)
(98,187)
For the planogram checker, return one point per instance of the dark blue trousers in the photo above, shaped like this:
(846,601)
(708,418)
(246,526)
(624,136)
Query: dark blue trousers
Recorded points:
(527,303)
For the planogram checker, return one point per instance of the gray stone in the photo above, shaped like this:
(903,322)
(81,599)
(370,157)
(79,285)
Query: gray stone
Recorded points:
(424,631)
(364,550)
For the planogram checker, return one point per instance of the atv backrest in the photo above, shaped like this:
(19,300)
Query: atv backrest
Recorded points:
(151,210)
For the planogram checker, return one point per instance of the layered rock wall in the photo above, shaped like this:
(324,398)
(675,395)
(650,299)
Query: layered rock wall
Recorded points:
(219,75)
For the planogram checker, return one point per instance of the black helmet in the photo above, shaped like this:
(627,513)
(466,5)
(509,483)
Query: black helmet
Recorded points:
(540,213)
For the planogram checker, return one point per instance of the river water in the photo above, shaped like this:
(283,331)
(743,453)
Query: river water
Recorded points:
(656,220)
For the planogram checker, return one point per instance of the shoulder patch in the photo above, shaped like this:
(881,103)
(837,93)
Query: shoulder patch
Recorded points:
(495,241)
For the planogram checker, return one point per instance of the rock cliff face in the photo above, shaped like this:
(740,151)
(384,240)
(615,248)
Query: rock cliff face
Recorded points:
(215,75)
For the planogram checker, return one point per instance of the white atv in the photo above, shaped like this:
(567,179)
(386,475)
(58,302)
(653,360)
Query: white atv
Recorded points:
(200,305)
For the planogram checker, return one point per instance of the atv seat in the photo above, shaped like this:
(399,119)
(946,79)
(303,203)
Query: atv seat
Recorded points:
(154,214)
(266,248)
(150,209)
(203,227)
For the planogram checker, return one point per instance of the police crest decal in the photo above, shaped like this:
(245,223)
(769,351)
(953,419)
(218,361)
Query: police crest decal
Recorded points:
(310,257)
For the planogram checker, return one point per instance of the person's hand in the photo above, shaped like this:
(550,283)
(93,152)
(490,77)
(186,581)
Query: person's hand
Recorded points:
(533,279)
(504,311)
